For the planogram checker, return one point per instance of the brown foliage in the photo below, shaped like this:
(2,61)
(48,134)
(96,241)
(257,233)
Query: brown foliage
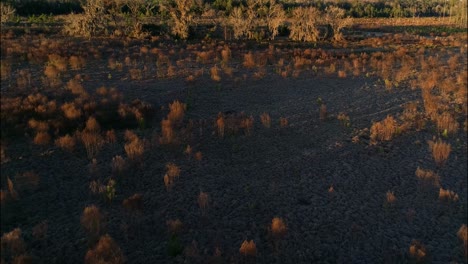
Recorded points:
(463,236)
(135,148)
(71,111)
(446,122)
(77,62)
(92,142)
(106,251)
(440,151)
(428,176)
(447,195)
(220,124)
(42,138)
(266,120)
(391,199)
(177,112)
(66,142)
(11,189)
(167,132)
(247,125)
(249,61)
(214,71)
(12,244)
(133,203)
(384,130)
(92,221)
(248,248)
(417,251)
(278,227)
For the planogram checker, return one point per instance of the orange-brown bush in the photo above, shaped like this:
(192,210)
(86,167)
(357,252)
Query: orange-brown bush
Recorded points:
(463,236)
(133,203)
(440,151)
(447,195)
(42,138)
(214,71)
(66,142)
(417,251)
(12,244)
(174,226)
(172,172)
(71,111)
(384,130)
(135,149)
(203,201)
(428,176)
(446,123)
(106,251)
(283,122)
(323,112)
(220,124)
(278,227)
(76,62)
(92,142)
(75,87)
(391,199)
(249,61)
(11,189)
(167,132)
(248,248)
(266,120)
(177,112)
(247,125)
(92,221)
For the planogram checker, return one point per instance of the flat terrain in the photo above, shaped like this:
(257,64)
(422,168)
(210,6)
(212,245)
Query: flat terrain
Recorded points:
(330,180)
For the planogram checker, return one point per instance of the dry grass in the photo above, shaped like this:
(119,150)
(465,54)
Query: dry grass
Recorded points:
(278,228)
(105,251)
(214,71)
(12,244)
(248,248)
(446,123)
(92,221)
(463,236)
(428,176)
(247,124)
(135,148)
(11,189)
(174,226)
(323,112)
(203,201)
(76,62)
(384,130)
(42,138)
(417,251)
(220,125)
(440,151)
(266,120)
(133,203)
(172,173)
(283,122)
(167,132)
(71,111)
(391,198)
(92,142)
(176,112)
(249,60)
(447,195)
(66,142)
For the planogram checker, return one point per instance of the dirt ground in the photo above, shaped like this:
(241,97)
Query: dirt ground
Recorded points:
(282,172)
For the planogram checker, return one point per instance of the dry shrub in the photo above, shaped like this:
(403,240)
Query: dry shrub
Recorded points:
(283,122)
(172,172)
(177,112)
(304,24)
(58,61)
(188,151)
(417,251)
(42,138)
(75,87)
(118,165)
(27,181)
(174,226)
(76,62)
(391,199)
(38,125)
(106,251)
(341,74)
(5,70)
(181,16)
(323,112)
(133,203)
(446,123)
(447,195)
(344,119)
(384,130)
(214,71)
(71,111)
(92,125)
(11,189)
(335,17)
(92,142)
(135,149)
(198,156)
(249,60)
(92,221)
(12,244)
(220,125)
(440,151)
(248,248)
(463,236)
(278,228)
(135,74)
(203,200)
(247,125)
(225,55)
(428,176)
(111,137)
(51,72)
(39,231)
(66,142)
(96,187)
(266,120)
(167,131)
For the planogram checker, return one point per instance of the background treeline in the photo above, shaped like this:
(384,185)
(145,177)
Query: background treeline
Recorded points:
(353,8)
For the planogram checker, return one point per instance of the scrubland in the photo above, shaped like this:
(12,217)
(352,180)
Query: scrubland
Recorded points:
(154,150)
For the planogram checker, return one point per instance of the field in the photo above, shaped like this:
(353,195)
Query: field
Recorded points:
(152,150)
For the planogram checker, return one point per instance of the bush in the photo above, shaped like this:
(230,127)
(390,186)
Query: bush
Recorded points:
(304,24)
